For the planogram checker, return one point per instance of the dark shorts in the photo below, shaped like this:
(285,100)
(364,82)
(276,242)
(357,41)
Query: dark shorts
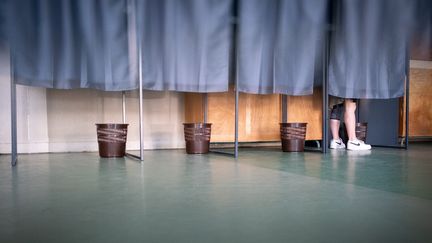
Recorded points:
(336,112)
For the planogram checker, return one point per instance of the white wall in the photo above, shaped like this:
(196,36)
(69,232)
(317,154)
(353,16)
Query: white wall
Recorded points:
(64,120)
(31,114)
(72,115)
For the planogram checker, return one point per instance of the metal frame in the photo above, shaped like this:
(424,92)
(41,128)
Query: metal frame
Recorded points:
(236,118)
(124,106)
(204,107)
(133,156)
(138,44)
(405,140)
(407,88)
(236,104)
(141,124)
(235,30)
(14,154)
(325,97)
(284,108)
(324,147)
(14,147)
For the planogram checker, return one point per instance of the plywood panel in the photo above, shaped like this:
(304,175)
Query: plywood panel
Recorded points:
(307,109)
(221,115)
(420,110)
(259,117)
(193,107)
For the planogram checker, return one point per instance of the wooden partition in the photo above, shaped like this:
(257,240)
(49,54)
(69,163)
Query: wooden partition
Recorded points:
(259,115)
(420,106)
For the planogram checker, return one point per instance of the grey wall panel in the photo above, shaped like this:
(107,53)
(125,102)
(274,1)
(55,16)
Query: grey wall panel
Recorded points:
(382,117)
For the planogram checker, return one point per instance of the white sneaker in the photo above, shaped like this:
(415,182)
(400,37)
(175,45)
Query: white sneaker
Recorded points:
(337,144)
(357,145)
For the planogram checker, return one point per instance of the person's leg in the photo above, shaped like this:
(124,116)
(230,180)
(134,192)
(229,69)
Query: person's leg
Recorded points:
(350,119)
(334,128)
(350,124)
(335,116)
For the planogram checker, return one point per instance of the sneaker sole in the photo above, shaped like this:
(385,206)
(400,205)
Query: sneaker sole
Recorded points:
(358,149)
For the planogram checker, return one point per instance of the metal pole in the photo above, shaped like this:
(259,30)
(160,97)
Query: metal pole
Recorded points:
(205,108)
(325,94)
(236,120)
(358,110)
(140,77)
(124,106)
(284,108)
(407,88)
(14,150)
(235,28)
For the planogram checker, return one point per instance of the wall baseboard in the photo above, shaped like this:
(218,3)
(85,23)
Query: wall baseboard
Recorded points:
(28,148)
(83,146)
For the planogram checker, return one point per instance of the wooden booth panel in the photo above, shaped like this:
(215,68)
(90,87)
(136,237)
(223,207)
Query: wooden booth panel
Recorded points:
(259,115)
(194,110)
(307,109)
(420,110)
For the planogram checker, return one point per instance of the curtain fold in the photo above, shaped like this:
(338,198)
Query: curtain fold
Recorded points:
(278,42)
(368,48)
(185,44)
(68,44)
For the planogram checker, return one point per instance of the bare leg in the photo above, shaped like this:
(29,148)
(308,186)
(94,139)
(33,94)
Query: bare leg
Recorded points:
(334,127)
(350,119)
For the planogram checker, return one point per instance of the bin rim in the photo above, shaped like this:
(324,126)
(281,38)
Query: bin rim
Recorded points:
(196,123)
(293,123)
(101,124)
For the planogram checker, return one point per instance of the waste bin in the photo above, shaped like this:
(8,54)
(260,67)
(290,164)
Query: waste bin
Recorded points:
(293,136)
(197,137)
(112,139)
(361,130)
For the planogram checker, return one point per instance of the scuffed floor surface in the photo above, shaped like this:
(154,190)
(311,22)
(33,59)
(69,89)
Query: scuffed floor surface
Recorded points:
(264,196)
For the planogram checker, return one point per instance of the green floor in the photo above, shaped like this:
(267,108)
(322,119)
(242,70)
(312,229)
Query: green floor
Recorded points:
(266,196)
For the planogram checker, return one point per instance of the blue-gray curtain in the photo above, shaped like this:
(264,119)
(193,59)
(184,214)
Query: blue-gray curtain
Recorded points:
(278,43)
(2,23)
(70,43)
(421,45)
(185,44)
(368,48)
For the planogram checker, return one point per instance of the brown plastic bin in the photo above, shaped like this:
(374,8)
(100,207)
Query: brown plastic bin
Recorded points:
(361,130)
(197,137)
(112,139)
(293,136)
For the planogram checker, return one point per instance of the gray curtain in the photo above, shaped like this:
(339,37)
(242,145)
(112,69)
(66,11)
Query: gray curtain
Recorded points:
(278,41)
(185,44)
(421,45)
(70,43)
(368,49)
(2,23)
